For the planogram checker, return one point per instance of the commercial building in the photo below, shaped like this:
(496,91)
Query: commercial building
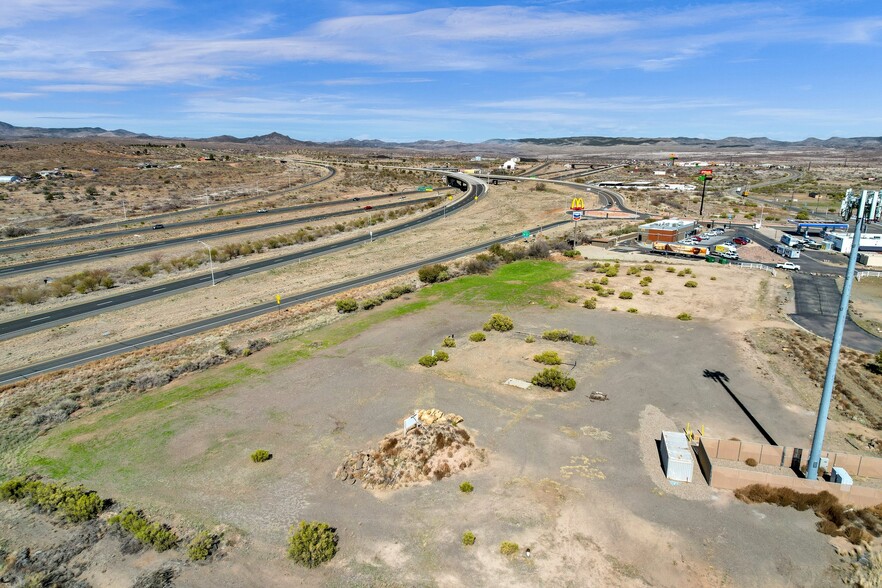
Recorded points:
(843,241)
(667,231)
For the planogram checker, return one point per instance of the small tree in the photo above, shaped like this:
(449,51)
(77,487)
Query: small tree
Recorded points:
(802,214)
(499,322)
(312,544)
(555,379)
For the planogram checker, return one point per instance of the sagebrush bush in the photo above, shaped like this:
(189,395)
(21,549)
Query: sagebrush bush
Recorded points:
(633,310)
(312,543)
(671,270)
(75,504)
(684,316)
(547,357)
(157,536)
(369,303)
(634,270)
(468,538)
(509,548)
(691,284)
(433,273)
(557,335)
(555,379)
(442,355)
(347,305)
(661,292)
(449,342)
(201,546)
(590,303)
(477,337)
(261,455)
(646,292)
(529,339)
(428,360)
(466,487)
(499,322)
(626,295)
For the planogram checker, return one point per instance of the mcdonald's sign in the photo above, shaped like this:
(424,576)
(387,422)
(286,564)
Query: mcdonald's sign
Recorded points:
(578,204)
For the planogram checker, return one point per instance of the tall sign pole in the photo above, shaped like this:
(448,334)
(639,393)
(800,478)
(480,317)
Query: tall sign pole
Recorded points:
(824,408)
(704,178)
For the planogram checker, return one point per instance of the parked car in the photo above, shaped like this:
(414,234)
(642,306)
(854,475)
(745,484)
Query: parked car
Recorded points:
(787,265)
(741,240)
(158,226)
(729,255)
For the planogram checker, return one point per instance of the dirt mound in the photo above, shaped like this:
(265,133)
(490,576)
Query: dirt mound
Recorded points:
(432,450)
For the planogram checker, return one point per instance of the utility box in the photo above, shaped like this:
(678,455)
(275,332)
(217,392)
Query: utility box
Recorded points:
(676,456)
(840,476)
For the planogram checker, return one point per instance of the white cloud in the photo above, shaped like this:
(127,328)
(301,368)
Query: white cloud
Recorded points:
(82,88)
(17,95)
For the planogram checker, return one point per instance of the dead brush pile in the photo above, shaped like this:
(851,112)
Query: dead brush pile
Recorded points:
(435,449)
(856,525)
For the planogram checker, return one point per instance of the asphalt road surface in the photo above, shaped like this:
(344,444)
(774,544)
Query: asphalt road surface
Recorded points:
(242,314)
(817,305)
(39,321)
(47,264)
(17,244)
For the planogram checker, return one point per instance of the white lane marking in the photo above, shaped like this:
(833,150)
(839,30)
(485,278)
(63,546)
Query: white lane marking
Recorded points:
(36,320)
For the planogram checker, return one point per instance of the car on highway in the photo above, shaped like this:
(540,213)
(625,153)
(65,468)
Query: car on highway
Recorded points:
(729,255)
(356,199)
(787,265)
(261,210)
(158,226)
(368,207)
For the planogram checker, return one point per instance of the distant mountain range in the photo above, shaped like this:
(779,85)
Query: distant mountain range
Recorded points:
(10,132)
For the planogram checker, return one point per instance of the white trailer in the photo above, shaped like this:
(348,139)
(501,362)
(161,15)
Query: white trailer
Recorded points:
(676,455)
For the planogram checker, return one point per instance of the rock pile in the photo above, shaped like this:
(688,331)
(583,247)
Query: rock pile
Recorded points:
(433,450)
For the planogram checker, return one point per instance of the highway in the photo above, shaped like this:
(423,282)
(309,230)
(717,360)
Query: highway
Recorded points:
(152,219)
(244,314)
(612,198)
(39,321)
(47,264)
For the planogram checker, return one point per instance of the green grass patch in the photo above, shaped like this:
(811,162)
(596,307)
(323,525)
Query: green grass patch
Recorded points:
(518,283)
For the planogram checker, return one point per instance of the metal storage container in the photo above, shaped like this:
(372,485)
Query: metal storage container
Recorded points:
(676,455)
(840,476)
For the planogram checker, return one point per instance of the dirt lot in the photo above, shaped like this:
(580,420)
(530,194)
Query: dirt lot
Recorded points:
(576,481)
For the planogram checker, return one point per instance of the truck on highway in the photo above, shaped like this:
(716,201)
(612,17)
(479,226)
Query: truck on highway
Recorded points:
(784,251)
(790,240)
(678,249)
(721,248)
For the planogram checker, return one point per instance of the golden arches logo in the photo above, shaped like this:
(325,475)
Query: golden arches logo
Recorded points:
(578,204)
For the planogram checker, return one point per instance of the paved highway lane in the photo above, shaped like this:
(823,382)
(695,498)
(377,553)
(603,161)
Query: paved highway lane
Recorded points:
(817,305)
(18,243)
(243,314)
(44,320)
(48,264)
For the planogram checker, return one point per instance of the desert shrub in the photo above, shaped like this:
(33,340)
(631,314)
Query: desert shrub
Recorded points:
(75,504)
(466,487)
(633,310)
(370,303)
(509,548)
(442,356)
(499,322)
(468,538)
(590,303)
(691,284)
(547,357)
(661,292)
(626,295)
(649,267)
(144,270)
(571,253)
(449,342)
(477,337)
(634,270)
(555,379)
(681,273)
(751,462)
(398,291)
(612,272)
(647,280)
(201,546)
(157,536)
(604,281)
(557,335)
(431,274)
(261,455)
(428,360)
(573,299)
(538,249)
(529,339)
(581,340)
(646,292)
(312,544)
(671,270)
(827,528)
(347,305)
(713,278)
(684,316)
(855,535)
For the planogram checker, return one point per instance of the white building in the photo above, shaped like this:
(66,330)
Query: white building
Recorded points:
(843,241)
(510,164)
(9,179)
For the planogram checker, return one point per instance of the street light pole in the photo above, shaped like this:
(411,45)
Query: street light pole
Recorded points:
(824,408)
(210,262)
(703,187)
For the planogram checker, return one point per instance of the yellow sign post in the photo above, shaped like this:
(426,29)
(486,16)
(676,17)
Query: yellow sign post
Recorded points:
(279,302)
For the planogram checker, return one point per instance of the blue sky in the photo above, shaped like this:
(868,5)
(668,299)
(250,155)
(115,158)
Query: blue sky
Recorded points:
(468,71)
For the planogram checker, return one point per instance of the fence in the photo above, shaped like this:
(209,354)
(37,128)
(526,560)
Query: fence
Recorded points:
(860,275)
(789,459)
(771,270)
